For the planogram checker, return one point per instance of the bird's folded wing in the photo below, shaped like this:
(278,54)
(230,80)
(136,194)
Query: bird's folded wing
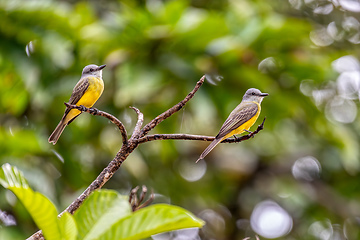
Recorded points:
(78,91)
(240,115)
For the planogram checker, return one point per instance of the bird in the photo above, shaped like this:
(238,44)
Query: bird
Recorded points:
(86,92)
(240,119)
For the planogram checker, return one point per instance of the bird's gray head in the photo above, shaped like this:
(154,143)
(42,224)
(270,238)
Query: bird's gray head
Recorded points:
(93,70)
(253,94)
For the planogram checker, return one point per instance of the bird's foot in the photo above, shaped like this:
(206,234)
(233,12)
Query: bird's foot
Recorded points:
(235,137)
(94,111)
(82,108)
(251,134)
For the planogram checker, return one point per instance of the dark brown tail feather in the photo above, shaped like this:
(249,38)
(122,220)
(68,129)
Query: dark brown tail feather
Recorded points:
(209,148)
(54,137)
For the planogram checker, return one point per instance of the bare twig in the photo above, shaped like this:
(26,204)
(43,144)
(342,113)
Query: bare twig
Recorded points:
(103,177)
(133,199)
(147,202)
(199,137)
(97,112)
(36,236)
(143,193)
(153,123)
(140,121)
(100,181)
(138,203)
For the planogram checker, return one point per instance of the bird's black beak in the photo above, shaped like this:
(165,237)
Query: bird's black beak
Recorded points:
(101,67)
(264,94)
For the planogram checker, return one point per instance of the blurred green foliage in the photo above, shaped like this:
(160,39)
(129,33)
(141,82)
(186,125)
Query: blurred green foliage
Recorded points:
(105,214)
(303,53)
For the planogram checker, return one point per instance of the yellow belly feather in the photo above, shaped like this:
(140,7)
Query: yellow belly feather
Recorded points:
(246,126)
(91,95)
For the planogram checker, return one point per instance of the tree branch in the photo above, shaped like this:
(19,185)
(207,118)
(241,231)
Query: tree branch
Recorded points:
(130,145)
(140,121)
(100,181)
(103,177)
(153,123)
(96,112)
(199,137)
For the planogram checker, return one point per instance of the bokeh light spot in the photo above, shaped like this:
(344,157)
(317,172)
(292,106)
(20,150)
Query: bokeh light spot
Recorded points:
(267,65)
(321,38)
(306,168)
(341,110)
(322,95)
(350,5)
(270,220)
(187,234)
(192,172)
(346,63)
(324,9)
(215,223)
(58,155)
(213,78)
(30,48)
(348,84)
(7,219)
(322,230)
(306,87)
(334,31)
(296,3)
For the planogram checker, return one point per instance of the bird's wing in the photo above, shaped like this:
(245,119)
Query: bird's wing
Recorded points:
(78,91)
(240,115)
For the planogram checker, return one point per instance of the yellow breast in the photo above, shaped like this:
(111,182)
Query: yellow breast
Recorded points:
(92,94)
(247,125)
(252,120)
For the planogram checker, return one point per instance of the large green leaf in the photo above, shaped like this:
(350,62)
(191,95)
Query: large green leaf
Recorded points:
(68,226)
(152,220)
(41,209)
(99,212)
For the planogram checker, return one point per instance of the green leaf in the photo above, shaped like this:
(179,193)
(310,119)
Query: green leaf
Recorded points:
(41,209)
(152,220)
(12,177)
(99,212)
(68,226)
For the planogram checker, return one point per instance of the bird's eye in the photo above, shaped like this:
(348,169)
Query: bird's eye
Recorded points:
(253,93)
(91,69)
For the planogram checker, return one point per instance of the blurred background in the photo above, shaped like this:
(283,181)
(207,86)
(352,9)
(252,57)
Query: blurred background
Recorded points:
(297,179)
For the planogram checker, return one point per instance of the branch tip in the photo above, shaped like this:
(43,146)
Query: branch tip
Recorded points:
(177,107)
(139,123)
(261,126)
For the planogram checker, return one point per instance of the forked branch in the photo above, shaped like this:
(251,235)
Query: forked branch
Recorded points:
(180,136)
(153,123)
(96,112)
(139,123)
(129,145)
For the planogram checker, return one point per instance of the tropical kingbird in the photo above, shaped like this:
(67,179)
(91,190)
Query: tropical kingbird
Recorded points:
(240,119)
(86,92)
